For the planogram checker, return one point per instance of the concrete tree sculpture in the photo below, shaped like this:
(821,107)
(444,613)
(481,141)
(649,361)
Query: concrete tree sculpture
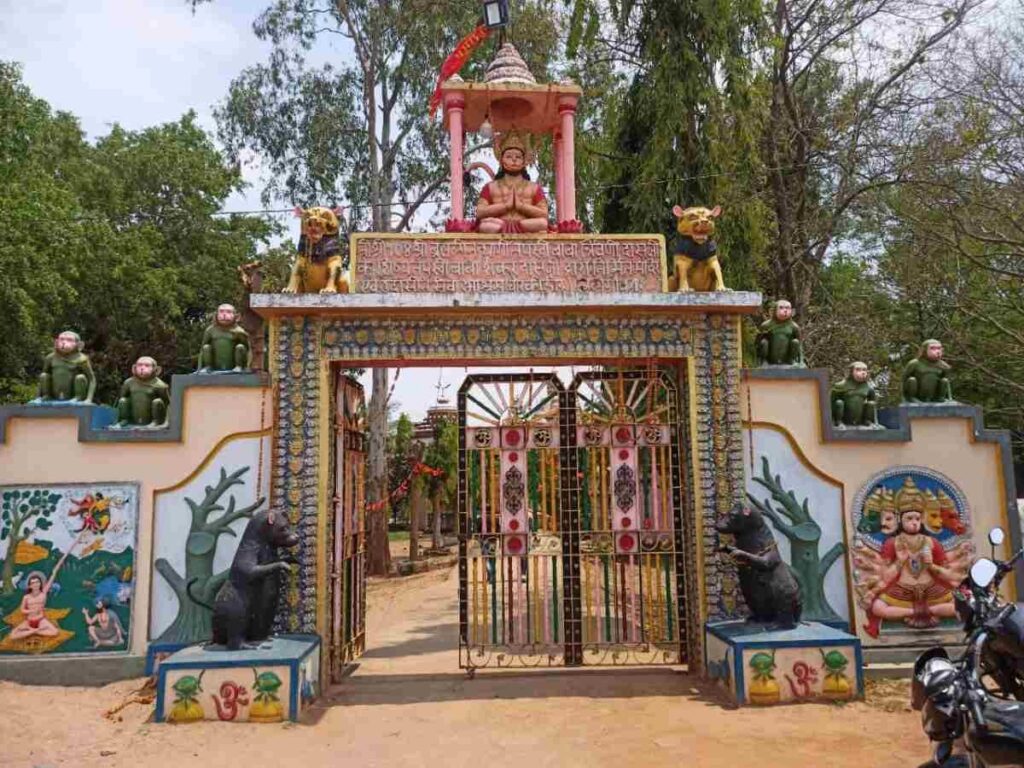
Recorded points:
(193,622)
(793,520)
(19,509)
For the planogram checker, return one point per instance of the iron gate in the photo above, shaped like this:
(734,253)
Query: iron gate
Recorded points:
(570,545)
(348,529)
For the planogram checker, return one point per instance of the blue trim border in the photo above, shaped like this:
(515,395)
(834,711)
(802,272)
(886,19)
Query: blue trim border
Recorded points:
(156,648)
(737,645)
(899,422)
(93,419)
(293,663)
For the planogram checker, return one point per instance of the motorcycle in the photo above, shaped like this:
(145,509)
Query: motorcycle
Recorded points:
(954,704)
(1002,661)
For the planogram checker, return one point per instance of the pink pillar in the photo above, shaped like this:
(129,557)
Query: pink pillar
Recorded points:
(559,178)
(567,113)
(454,106)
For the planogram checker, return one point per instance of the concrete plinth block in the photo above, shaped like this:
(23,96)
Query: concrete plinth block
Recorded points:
(762,666)
(274,682)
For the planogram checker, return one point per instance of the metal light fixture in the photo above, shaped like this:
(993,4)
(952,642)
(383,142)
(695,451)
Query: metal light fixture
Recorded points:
(495,13)
(486,130)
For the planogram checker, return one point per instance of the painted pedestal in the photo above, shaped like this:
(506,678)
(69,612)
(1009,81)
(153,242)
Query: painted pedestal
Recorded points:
(266,685)
(157,653)
(812,662)
(96,415)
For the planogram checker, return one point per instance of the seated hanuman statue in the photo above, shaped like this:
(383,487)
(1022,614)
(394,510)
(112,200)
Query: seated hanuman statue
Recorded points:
(512,203)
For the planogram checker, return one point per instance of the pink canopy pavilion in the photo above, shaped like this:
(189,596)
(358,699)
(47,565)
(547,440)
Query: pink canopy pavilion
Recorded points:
(511,99)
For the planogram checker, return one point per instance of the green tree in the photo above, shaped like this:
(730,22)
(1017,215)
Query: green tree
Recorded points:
(41,226)
(945,246)
(686,130)
(442,454)
(18,510)
(848,82)
(400,460)
(119,240)
(171,260)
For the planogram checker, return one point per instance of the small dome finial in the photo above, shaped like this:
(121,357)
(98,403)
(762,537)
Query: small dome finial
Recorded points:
(508,67)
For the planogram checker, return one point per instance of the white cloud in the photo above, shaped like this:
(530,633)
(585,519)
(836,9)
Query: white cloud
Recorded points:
(416,388)
(135,62)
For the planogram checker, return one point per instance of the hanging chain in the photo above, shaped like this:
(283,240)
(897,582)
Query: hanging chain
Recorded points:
(750,429)
(262,439)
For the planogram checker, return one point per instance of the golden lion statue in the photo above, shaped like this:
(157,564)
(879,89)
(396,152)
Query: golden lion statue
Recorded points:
(695,265)
(319,265)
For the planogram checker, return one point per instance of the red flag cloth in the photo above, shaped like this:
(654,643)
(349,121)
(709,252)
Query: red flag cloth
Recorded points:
(403,488)
(455,60)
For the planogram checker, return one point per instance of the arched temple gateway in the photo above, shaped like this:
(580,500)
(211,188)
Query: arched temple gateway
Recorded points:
(587,506)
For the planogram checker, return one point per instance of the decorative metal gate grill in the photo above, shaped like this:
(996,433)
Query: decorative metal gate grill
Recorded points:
(627,490)
(348,575)
(570,546)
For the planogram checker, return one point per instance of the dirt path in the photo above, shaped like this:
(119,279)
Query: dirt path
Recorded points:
(407,704)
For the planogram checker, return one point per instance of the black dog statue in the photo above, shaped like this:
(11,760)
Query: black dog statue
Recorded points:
(243,611)
(769,586)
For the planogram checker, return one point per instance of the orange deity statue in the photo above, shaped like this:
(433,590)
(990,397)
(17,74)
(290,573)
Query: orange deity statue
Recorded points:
(911,576)
(512,203)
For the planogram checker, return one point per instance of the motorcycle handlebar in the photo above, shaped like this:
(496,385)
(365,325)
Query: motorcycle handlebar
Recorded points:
(974,692)
(974,655)
(1005,568)
(1000,617)
(976,713)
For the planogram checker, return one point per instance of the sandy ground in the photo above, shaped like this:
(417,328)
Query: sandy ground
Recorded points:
(408,704)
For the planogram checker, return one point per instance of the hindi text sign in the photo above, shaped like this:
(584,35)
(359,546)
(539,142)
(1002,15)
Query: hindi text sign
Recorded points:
(480,264)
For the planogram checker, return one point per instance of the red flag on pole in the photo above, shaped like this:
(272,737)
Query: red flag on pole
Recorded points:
(456,59)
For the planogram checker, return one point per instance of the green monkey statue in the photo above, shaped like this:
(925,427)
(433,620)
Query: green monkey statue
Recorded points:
(778,338)
(144,397)
(854,401)
(67,374)
(225,343)
(925,379)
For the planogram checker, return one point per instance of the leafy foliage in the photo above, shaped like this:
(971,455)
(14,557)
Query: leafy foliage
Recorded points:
(400,461)
(355,129)
(443,454)
(22,513)
(687,128)
(116,239)
(867,154)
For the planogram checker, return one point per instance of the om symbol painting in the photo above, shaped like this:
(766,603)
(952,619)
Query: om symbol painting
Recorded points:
(67,574)
(912,547)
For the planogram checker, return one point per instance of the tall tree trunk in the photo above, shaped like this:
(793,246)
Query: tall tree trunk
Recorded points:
(415,503)
(379,552)
(437,542)
(8,569)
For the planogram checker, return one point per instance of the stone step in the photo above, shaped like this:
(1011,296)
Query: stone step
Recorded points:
(887,671)
(902,654)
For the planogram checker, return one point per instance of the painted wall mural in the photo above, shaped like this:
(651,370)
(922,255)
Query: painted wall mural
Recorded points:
(912,547)
(805,510)
(197,526)
(68,567)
